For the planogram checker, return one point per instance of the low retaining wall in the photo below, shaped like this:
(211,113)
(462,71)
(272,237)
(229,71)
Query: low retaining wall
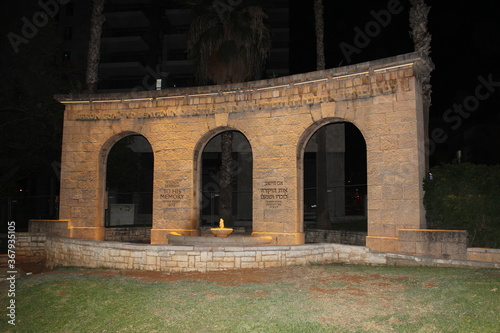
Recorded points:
(56,227)
(482,254)
(62,251)
(396,259)
(79,252)
(336,236)
(30,247)
(447,244)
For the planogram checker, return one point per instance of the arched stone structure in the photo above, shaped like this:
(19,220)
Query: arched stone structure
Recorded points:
(330,197)
(208,184)
(381,98)
(129,185)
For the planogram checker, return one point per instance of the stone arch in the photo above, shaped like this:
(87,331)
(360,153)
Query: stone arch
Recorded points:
(103,200)
(205,185)
(340,206)
(278,116)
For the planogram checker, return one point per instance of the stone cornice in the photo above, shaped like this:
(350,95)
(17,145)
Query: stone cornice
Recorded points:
(410,60)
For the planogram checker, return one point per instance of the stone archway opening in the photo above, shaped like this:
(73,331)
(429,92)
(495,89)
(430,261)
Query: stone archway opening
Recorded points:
(129,190)
(241,172)
(335,179)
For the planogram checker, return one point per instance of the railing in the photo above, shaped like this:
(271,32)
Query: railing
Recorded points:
(354,200)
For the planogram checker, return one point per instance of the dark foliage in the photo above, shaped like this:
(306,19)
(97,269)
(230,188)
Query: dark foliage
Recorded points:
(465,196)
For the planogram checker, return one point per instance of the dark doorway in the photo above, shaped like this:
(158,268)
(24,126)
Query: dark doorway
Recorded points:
(241,171)
(335,177)
(129,183)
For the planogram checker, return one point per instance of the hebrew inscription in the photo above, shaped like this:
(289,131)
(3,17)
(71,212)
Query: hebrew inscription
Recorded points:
(274,193)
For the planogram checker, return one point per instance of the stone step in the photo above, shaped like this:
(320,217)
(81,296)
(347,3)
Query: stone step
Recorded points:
(210,240)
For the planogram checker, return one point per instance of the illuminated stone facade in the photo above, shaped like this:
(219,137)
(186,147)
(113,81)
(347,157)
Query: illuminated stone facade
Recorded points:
(278,116)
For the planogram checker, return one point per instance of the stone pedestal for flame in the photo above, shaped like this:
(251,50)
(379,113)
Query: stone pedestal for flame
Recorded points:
(221,231)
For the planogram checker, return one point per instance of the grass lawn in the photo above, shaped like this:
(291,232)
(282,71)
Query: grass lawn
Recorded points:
(317,298)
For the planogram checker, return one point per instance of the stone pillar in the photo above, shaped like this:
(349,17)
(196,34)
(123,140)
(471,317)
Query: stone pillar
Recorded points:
(174,197)
(396,168)
(276,211)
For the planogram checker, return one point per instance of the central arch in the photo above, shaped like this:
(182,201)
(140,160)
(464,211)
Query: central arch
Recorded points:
(207,178)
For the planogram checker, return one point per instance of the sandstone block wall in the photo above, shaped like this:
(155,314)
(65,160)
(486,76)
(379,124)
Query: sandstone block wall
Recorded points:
(89,253)
(450,244)
(61,251)
(483,254)
(30,247)
(56,227)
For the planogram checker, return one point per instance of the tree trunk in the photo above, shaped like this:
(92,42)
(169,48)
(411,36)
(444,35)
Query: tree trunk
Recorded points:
(226,179)
(322,207)
(94,54)
(419,12)
(320,34)
(421,41)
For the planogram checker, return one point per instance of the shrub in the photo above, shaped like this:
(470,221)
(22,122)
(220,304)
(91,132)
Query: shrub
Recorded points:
(465,196)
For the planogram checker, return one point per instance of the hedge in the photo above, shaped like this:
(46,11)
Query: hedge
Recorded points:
(465,197)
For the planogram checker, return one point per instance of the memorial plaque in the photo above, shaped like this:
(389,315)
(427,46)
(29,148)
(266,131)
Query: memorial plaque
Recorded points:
(274,193)
(172,193)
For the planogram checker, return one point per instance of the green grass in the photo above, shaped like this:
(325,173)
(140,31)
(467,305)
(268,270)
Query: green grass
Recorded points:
(307,299)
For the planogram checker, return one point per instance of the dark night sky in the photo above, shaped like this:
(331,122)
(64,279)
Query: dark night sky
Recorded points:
(465,46)
(465,50)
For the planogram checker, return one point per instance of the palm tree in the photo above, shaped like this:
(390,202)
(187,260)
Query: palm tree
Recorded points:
(419,12)
(227,44)
(320,34)
(323,211)
(94,54)
(421,39)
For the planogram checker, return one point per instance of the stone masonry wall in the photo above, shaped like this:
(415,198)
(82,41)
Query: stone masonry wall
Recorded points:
(56,227)
(61,251)
(483,254)
(30,247)
(89,253)
(450,244)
